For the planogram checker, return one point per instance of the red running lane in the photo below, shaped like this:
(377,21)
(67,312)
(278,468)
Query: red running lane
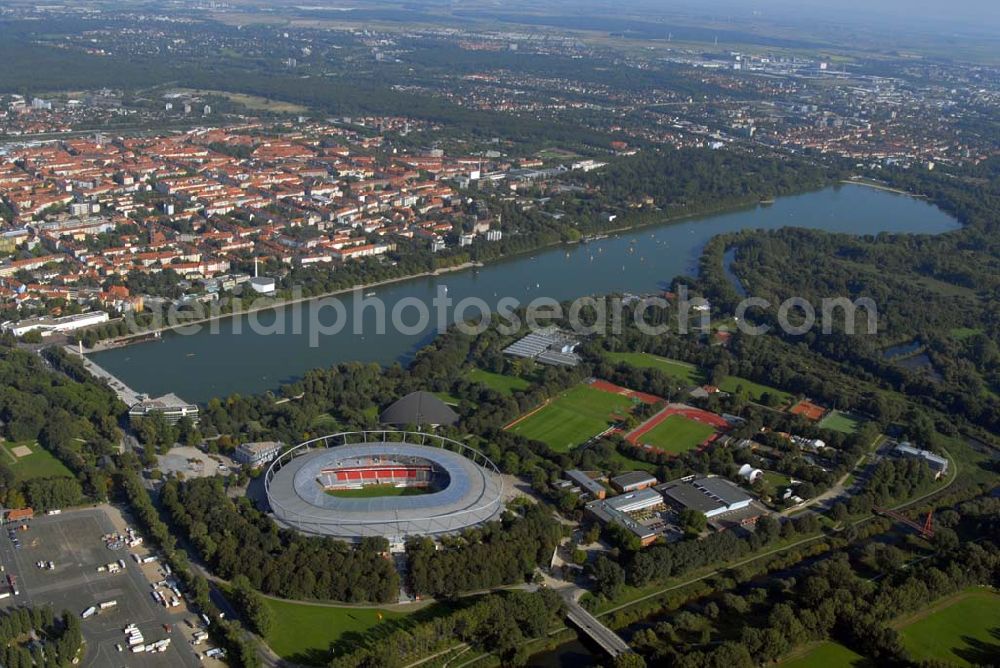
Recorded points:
(645,398)
(696,414)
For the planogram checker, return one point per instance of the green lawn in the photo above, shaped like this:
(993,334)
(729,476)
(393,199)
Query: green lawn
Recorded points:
(39,464)
(960,630)
(828,655)
(842,422)
(776,483)
(754,390)
(373,491)
(304,632)
(680,371)
(448,398)
(573,418)
(677,434)
(962,333)
(498,381)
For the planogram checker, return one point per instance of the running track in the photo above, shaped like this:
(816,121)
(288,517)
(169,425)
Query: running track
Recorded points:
(691,413)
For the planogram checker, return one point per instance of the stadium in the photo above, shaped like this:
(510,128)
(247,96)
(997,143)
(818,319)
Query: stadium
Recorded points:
(390,484)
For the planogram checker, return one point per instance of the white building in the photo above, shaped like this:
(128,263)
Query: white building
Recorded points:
(48,325)
(937,463)
(750,474)
(170,406)
(257,454)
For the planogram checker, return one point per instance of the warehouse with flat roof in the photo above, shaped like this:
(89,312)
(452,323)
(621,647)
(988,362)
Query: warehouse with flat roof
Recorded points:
(711,496)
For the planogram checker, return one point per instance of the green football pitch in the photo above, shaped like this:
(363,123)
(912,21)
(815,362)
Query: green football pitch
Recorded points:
(573,418)
(677,434)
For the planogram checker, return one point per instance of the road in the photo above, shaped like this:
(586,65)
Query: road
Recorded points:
(609,641)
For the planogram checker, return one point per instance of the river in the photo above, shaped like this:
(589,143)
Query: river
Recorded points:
(204,365)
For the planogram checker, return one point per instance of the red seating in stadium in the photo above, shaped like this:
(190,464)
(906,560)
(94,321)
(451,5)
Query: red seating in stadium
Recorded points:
(376,474)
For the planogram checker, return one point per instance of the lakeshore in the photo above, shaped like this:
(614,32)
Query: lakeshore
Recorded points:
(151,333)
(231,358)
(154,332)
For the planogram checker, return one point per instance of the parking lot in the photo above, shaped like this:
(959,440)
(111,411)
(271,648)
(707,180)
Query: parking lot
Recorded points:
(73,542)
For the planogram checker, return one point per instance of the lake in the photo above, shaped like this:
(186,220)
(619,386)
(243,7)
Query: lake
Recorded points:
(204,365)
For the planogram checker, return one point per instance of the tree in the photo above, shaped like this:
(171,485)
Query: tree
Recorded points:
(629,660)
(609,577)
(693,521)
(252,605)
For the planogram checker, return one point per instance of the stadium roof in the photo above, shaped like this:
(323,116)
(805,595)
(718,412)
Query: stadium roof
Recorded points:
(472,495)
(419,408)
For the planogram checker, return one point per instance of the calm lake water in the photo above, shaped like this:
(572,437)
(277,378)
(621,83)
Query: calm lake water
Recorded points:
(204,365)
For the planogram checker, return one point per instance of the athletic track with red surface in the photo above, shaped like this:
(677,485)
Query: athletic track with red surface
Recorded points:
(605,386)
(691,413)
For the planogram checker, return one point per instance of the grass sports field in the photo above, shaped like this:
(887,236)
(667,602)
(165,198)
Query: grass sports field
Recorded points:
(689,374)
(842,422)
(498,381)
(680,371)
(39,463)
(960,630)
(677,434)
(574,417)
(827,654)
(304,632)
(373,491)
(754,390)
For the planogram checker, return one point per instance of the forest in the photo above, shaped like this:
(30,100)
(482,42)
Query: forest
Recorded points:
(501,623)
(937,295)
(236,539)
(60,639)
(835,597)
(67,414)
(497,553)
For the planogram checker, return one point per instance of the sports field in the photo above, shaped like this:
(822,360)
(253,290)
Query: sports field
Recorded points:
(827,654)
(373,491)
(842,422)
(304,632)
(498,381)
(960,630)
(29,460)
(677,434)
(754,390)
(680,371)
(573,418)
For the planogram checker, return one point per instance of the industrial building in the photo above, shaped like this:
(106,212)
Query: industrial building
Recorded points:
(711,496)
(628,511)
(633,481)
(586,484)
